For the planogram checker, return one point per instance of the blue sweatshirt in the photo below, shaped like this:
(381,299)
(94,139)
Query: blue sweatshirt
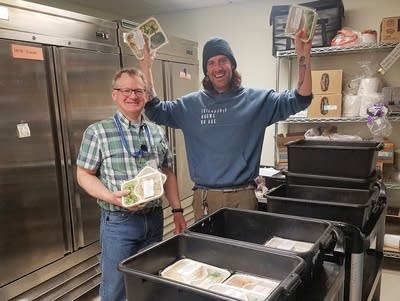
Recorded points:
(224,132)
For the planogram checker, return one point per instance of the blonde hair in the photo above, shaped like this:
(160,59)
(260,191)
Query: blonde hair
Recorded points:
(131,72)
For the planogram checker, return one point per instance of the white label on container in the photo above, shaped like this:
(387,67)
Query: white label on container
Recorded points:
(330,107)
(3,12)
(286,244)
(148,188)
(188,269)
(261,289)
(23,130)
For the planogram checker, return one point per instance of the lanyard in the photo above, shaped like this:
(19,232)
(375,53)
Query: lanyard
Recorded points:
(143,151)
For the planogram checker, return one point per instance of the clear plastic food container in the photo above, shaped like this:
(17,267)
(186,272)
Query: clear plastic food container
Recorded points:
(301,17)
(236,292)
(195,273)
(289,244)
(145,187)
(257,285)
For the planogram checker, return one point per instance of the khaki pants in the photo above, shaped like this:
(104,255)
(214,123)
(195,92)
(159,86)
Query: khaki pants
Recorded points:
(216,199)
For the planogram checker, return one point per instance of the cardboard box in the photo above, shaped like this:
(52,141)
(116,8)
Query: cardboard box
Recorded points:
(325,106)
(327,81)
(392,226)
(390,30)
(386,155)
(282,155)
(281,140)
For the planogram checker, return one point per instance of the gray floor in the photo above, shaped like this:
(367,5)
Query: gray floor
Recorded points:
(390,289)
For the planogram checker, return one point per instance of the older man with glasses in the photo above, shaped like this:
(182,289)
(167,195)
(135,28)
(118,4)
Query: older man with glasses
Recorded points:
(115,150)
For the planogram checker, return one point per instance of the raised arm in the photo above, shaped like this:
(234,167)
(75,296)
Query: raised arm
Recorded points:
(145,66)
(304,64)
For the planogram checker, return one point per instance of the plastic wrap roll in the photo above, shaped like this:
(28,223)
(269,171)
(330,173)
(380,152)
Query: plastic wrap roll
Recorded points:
(392,240)
(369,85)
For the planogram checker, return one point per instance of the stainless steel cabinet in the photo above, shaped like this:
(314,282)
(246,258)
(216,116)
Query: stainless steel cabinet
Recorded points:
(31,194)
(55,80)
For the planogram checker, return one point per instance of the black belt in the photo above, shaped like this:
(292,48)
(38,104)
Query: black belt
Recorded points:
(147,210)
(227,189)
(143,211)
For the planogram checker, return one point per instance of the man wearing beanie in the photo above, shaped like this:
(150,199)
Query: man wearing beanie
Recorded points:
(224,124)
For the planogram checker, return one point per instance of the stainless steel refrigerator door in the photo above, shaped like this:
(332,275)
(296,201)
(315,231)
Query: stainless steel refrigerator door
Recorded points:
(84,81)
(31,197)
(181,79)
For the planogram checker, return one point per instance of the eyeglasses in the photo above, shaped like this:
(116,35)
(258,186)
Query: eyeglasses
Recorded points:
(128,92)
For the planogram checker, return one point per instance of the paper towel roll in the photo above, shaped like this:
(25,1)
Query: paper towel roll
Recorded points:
(351,105)
(368,85)
(392,240)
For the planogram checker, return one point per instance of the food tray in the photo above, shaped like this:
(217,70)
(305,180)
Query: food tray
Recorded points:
(195,273)
(237,293)
(145,187)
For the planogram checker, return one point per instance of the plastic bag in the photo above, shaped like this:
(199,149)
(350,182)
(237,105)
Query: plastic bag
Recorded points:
(329,133)
(261,188)
(378,123)
(346,37)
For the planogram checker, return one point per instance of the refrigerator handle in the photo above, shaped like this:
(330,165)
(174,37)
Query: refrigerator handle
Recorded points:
(57,121)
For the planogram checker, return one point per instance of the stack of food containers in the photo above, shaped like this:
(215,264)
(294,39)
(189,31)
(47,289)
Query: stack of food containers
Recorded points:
(335,180)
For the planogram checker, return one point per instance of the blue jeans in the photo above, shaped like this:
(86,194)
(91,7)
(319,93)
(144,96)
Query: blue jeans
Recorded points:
(122,234)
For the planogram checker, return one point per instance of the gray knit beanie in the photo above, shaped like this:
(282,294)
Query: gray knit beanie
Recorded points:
(217,46)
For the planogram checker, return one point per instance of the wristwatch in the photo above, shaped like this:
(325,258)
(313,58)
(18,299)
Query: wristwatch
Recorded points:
(176,210)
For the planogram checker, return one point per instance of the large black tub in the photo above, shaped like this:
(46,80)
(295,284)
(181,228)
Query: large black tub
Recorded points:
(257,228)
(352,206)
(353,159)
(144,283)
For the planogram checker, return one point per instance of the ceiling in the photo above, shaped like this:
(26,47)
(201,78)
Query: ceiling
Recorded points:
(140,8)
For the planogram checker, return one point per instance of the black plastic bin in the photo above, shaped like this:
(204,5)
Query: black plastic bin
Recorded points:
(352,206)
(353,159)
(293,178)
(257,228)
(143,283)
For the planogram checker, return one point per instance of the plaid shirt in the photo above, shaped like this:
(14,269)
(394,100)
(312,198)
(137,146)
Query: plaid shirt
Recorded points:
(102,151)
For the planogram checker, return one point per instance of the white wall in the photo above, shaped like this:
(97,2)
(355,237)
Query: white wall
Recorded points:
(246,27)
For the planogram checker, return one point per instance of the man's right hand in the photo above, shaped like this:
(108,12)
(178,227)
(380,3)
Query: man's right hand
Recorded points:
(148,58)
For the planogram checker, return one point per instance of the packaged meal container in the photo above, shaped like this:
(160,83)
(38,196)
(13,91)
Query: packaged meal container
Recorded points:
(195,273)
(237,293)
(257,285)
(145,187)
(288,244)
(257,229)
(301,17)
(143,271)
